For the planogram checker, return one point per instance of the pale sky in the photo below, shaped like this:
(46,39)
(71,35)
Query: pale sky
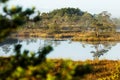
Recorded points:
(92,6)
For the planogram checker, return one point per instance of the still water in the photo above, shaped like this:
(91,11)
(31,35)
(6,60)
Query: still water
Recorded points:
(66,49)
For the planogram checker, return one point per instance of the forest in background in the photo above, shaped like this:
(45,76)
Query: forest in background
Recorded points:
(56,21)
(74,19)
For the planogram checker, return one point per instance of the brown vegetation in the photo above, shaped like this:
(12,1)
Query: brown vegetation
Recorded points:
(58,69)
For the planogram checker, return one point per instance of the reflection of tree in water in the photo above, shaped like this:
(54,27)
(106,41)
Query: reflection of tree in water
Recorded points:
(30,40)
(43,43)
(5,46)
(99,51)
(101,48)
(8,41)
(56,43)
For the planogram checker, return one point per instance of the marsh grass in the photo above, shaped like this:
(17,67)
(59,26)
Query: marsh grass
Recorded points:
(59,69)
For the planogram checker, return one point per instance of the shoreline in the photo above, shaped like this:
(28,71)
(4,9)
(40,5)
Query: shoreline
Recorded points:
(74,36)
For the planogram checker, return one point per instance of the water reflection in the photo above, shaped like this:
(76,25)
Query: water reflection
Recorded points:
(100,48)
(5,46)
(62,49)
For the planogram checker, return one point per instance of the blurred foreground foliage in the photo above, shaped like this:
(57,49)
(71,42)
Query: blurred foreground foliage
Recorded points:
(35,66)
(13,17)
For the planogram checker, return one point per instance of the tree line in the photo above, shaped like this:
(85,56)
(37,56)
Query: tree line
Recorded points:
(74,17)
(54,21)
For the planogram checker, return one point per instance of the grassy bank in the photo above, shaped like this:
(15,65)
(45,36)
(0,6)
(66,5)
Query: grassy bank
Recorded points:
(58,69)
(75,36)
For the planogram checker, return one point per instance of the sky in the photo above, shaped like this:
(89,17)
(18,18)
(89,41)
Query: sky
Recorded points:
(92,6)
